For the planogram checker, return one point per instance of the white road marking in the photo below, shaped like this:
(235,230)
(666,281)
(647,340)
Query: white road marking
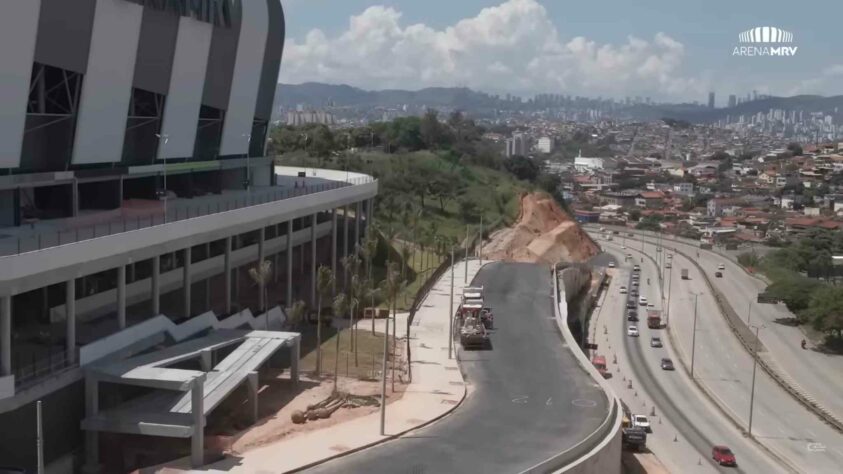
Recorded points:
(547,403)
(520,400)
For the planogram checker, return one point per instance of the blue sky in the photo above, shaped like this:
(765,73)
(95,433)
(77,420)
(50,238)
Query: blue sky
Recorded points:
(672,50)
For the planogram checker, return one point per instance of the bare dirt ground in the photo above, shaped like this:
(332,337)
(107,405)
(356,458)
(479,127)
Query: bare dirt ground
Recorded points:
(544,233)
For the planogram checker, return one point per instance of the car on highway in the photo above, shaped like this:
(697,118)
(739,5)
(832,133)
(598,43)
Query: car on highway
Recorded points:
(623,290)
(630,304)
(667,364)
(724,456)
(642,422)
(634,293)
(655,341)
(669,256)
(611,264)
(635,283)
(642,300)
(667,265)
(632,331)
(718,274)
(636,268)
(632,315)
(721,267)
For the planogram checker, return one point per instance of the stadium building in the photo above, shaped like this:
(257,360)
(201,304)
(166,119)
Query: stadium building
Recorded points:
(135,196)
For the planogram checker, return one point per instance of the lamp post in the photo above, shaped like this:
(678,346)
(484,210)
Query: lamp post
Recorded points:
(451,311)
(161,146)
(694,335)
(754,368)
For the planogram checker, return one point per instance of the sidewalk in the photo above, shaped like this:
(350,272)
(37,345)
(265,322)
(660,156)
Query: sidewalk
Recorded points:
(436,390)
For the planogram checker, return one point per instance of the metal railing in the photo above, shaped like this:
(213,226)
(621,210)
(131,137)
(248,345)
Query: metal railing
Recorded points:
(40,240)
(55,363)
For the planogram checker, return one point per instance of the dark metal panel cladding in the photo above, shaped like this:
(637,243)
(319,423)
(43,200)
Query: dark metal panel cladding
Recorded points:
(156,50)
(272,60)
(221,61)
(64,33)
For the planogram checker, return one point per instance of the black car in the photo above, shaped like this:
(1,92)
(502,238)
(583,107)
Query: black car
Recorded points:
(630,304)
(632,316)
(667,364)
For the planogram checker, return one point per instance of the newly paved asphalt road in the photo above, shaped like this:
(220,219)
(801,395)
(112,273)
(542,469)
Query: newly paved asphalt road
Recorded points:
(528,398)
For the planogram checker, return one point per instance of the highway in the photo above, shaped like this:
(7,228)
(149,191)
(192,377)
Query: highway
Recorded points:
(725,368)
(528,397)
(687,424)
(812,370)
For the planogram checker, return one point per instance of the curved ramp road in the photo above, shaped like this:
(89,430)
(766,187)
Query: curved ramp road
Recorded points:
(528,399)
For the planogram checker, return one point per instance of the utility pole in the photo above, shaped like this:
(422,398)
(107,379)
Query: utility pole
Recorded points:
(383,372)
(465,278)
(481,240)
(166,138)
(451,311)
(669,285)
(694,336)
(752,391)
(749,312)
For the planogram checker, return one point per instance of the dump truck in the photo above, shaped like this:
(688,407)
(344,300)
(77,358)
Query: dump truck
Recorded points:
(684,273)
(473,333)
(654,319)
(632,437)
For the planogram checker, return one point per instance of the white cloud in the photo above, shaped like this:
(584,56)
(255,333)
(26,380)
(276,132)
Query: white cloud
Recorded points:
(828,79)
(513,46)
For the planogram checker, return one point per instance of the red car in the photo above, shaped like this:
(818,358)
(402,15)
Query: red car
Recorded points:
(723,456)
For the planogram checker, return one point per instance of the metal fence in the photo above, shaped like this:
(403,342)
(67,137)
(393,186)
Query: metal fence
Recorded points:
(40,240)
(55,363)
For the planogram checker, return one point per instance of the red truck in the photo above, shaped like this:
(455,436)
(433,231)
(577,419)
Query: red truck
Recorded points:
(654,319)
(599,363)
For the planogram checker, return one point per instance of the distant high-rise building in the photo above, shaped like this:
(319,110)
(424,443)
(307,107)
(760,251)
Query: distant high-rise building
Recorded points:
(516,146)
(545,145)
(733,100)
(711,100)
(754,95)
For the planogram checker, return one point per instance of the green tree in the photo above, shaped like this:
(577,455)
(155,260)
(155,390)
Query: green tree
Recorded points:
(522,168)
(261,275)
(825,311)
(296,314)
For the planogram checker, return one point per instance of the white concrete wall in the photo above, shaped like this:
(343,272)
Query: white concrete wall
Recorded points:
(329,175)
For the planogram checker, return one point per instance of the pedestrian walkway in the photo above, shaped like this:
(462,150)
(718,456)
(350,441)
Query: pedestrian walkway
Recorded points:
(436,390)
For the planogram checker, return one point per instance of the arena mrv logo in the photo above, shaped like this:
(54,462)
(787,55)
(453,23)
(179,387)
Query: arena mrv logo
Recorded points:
(765,41)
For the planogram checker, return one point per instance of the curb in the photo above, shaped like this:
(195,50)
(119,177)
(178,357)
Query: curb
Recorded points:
(725,410)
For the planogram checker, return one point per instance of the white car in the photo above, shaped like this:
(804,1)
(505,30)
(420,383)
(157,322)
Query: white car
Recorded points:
(611,264)
(623,290)
(632,331)
(642,301)
(642,422)
(669,256)
(667,265)
(721,267)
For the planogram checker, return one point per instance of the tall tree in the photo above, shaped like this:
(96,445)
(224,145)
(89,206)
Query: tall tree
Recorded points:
(340,307)
(261,274)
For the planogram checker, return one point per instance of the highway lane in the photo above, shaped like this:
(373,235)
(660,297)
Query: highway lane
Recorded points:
(528,400)
(724,365)
(683,409)
(813,371)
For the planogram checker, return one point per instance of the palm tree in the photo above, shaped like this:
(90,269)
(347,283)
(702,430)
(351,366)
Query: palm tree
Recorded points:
(370,292)
(368,251)
(324,284)
(351,265)
(340,306)
(296,314)
(262,274)
(354,292)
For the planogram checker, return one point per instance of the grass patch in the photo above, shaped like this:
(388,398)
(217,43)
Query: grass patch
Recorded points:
(369,353)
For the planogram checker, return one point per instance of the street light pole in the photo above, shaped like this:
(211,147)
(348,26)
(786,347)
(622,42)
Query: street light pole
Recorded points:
(465,278)
(752,390)
(166,138)
(451,311)
(248,137)
(669,285)
(694,336)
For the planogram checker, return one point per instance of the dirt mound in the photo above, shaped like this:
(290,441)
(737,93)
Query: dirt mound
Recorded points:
(544,233)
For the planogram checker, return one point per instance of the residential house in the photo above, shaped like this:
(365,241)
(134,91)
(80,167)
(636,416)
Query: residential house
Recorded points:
(650,200)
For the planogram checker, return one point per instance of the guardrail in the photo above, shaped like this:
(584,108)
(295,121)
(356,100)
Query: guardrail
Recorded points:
(609,428)
(745,337)
(40,240)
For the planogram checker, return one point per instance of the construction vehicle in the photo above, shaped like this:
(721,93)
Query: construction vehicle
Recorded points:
(473,304)
(632,437)
(473,333)
(599,363)
(684,273)
(654,319)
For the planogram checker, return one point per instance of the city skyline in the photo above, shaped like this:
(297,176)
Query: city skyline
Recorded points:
(677,53)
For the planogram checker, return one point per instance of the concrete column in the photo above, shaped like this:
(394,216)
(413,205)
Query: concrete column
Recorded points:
(252,380)
(186,281)
(334,249)
(295,353)
(121,296)
(70,309)
(228,275)
(6,335)
(92,449)
(205,360)
(261,239)
(357,213)
(75,198)
(197,441)
(156,285)
(289,255)
(345,231)
(313,261)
